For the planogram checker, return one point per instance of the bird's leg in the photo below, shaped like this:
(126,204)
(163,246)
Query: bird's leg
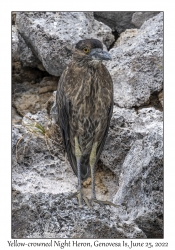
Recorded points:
(78,155)
(79,193)
(92,165)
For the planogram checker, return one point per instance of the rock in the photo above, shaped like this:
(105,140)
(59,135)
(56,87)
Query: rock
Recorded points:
(26,56)
(15,116)
(48,84)
(137,66)
(141,180)
(160,96)
(34,93)
(40,117)
(119,140)
(21,74)
(140,17)
(33,131)
(31,98)
(117,20)
(47,89)
(54,109)
(22,53)
(13,17)
(49,81)
(124,36)
(155,101)
(47,215)
(121,20)
(126,127)
(134,152)
(15,43)
(52,35)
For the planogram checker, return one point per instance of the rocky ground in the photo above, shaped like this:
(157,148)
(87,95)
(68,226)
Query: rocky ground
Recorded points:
(130,170)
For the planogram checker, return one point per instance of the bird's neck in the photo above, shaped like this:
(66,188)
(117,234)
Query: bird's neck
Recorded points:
(85,63)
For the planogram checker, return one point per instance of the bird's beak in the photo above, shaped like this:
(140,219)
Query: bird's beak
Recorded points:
(99,54)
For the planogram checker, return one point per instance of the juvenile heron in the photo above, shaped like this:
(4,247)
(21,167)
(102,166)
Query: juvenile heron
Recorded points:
(85,104)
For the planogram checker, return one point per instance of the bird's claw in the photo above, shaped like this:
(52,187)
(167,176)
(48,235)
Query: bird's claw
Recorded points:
(80,197)
(90,202)
(103,203)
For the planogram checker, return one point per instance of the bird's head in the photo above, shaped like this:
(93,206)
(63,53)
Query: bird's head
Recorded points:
(90,50)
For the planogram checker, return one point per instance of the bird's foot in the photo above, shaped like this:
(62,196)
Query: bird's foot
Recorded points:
(81,197)
(103,203)
(89,202)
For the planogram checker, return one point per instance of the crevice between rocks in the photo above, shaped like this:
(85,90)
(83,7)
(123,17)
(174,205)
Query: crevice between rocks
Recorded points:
(154,101)
(32,90)
(116,36)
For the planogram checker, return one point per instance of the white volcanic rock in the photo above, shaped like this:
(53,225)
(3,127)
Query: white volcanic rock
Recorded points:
(137,65)
(52,35)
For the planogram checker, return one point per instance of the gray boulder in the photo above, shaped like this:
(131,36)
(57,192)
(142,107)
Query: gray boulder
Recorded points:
(124,36)
(26,56)
(121,20)
(137,65)
(117,20)
(15,43)
(13,17)
(48,215)
(141,183)
(22,53)
(134,152)
(15,116)
(126,127)
(32,97)
(51,36)
(160,96)
(140,17)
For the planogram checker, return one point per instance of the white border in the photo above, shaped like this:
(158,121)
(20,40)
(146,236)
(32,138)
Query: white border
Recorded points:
(5,96)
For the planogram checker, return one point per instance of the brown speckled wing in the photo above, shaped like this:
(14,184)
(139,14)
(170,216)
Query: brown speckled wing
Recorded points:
(101,145)
(63,112)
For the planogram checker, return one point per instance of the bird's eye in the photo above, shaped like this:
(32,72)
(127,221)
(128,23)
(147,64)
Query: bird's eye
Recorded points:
(86,50)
